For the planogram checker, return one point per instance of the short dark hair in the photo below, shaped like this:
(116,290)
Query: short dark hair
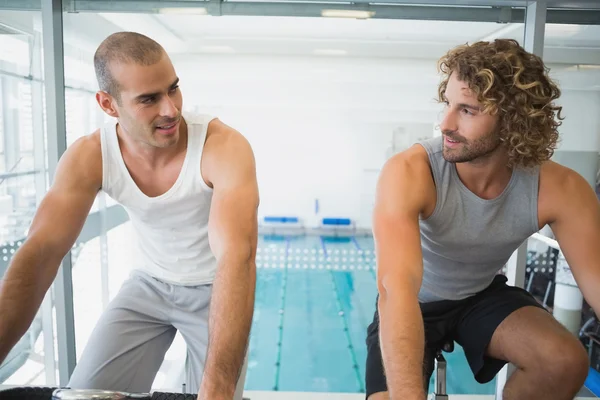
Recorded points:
(124,47)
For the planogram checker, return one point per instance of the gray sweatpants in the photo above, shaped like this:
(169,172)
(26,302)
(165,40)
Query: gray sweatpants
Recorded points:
(129,342)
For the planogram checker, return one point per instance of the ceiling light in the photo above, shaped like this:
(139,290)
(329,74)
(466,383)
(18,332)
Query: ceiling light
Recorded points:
(564,29)
(358,14)
(330,52)
(589,66)
(217,49)
(579,67)
(184,10)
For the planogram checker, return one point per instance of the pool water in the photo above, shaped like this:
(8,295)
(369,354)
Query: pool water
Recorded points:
(315,297)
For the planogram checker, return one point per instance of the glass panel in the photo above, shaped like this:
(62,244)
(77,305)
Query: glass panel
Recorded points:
(344,78)
(83,117)
(571,53)
(23,183)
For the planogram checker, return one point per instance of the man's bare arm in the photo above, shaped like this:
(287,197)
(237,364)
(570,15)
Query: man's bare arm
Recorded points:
(402,190)
(54,229)
(576,225)
(233,239)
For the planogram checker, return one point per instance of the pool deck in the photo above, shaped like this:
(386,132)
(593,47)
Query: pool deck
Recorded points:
(262,395)
(258,395)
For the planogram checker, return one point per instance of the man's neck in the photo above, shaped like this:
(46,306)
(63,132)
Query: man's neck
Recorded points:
(488,176)
(154,157)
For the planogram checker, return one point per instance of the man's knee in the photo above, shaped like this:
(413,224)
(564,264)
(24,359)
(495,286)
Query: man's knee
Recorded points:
(564,360)
(571,361)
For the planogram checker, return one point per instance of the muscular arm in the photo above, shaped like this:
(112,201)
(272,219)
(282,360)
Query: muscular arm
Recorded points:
(54,229)
(402,190)
(576,224)
(233,239)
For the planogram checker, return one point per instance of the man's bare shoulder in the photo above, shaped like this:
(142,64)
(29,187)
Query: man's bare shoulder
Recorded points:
(89,148)
(222,137)
(556,178)
(226,153)
(406,181)
(83,159)
(412,163)
(557,187)
(90,143)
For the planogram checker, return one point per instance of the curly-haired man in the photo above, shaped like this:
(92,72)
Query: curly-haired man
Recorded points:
(449,213)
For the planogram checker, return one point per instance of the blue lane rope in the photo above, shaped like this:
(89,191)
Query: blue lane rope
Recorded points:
(323,246)
(281,316)
(342,314)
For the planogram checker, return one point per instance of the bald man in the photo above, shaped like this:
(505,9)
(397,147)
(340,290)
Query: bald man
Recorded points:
(188,183)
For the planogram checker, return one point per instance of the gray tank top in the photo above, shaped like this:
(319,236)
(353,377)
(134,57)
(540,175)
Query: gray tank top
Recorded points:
(467,240)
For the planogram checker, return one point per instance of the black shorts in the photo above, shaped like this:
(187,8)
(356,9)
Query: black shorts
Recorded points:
(470,322)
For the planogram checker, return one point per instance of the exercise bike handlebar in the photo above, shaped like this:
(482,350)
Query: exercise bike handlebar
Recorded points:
(54,393)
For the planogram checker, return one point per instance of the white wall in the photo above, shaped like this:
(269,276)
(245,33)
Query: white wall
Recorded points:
(580,133)
(580,130)
(321,128)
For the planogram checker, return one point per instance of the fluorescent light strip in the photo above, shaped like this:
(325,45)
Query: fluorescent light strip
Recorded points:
(217,49)
(330,52)
(358,14)
(183,10)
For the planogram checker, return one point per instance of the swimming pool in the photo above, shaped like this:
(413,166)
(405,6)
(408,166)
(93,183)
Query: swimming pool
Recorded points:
(315,297)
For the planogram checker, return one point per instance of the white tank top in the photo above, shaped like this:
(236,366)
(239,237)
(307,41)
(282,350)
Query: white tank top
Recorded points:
(171,229)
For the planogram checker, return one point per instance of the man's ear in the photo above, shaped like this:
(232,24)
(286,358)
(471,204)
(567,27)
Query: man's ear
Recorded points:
(107,103)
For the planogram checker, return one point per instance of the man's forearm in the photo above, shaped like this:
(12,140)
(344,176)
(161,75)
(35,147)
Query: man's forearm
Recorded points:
(402,345)
(21,292)
(231,310)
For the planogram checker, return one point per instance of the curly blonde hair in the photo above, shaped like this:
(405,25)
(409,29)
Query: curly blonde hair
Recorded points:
(513,83)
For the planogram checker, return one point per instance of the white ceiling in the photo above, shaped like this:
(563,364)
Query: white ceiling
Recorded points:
(372,38)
